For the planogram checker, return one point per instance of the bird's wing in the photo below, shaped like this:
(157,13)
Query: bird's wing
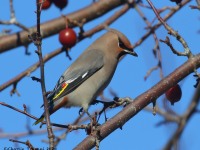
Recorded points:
(84,67)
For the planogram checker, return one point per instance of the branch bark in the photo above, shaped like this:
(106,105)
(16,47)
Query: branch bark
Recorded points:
(52,27)
(38,43)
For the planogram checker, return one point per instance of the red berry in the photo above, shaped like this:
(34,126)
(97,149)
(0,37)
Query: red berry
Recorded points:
(60,3)
(46,4)
(67,37)
(174,94)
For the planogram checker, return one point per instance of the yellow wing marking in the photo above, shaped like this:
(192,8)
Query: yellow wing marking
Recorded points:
(39,120)
(64,86)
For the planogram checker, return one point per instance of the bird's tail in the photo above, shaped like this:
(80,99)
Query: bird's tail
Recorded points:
(39,120)
(53,106)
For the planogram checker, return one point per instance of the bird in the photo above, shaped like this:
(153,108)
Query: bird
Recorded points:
(90,73)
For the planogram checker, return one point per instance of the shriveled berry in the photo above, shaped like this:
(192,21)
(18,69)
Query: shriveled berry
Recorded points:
(60,3)
(176,1)
(174,94)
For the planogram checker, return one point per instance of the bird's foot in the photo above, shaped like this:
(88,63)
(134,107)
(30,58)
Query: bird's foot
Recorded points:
(93,125)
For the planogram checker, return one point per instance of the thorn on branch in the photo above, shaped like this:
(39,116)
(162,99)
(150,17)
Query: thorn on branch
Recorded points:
(25,108)
(67,52)
(80,34)
(197,80)
(36,79)
(37,52)
(154,108)
(14,90)
(35,38)
(80,25)
(26,50)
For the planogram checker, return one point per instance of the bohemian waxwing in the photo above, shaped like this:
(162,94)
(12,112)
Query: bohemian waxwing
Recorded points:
(90,74)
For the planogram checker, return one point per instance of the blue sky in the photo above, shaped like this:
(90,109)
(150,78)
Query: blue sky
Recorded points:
(141,131)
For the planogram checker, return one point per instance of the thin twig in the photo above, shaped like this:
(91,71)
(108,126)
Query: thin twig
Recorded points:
(156,49)
(12,12)
(106,23)
(27,133)
(76,122)
(150,71)
(167,41)
(167,116)
(13,19)
(31,116)
(170,14)
(27,143)
(195,7)
(30,69)
(171,31)
(38,43)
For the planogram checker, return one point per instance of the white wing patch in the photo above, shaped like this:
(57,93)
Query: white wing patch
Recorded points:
(83,76)
(71,80)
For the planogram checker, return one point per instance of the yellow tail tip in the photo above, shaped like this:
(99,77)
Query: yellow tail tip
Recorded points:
(38,121)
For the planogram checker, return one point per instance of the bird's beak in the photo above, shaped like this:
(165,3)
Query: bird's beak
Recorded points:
(131,52)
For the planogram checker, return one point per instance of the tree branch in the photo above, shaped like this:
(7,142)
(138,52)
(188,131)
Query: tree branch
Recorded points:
(153,28)
(52,27)
(171,31)
(37,40)
(29,70)
(101,26)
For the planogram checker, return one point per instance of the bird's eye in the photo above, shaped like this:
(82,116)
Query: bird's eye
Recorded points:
(121,45)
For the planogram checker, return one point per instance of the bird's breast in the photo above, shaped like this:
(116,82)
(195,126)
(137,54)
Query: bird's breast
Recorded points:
(91,88)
